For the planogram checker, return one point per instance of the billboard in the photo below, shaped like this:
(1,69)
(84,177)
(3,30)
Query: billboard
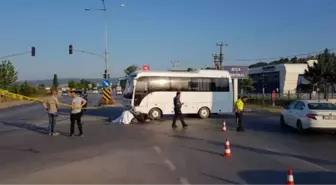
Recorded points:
(240,72)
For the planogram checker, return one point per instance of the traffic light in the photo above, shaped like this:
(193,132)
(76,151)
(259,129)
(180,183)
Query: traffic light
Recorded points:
(104,75)
(33,51)
(108,76)
(70,49)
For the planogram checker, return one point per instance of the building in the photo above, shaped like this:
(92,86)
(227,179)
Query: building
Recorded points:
(281,77)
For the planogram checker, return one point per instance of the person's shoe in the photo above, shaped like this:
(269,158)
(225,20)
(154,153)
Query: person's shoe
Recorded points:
(55,134)
(49,134)
(185,126)
(71,135)
(81,135)
(174,126)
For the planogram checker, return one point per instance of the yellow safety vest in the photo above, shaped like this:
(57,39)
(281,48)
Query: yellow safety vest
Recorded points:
(239,105)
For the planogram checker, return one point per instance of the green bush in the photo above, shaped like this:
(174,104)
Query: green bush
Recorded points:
(269,102)
(27,90)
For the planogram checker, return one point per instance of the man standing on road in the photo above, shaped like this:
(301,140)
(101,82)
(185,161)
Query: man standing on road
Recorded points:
(239,105)
(76,113)
(51,106)
(177,110)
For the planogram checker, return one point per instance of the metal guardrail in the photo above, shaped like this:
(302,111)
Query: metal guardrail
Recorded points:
(291,96)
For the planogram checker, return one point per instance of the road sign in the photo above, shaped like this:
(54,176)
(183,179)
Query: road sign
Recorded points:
(106,83)
(145,67)
(240,72)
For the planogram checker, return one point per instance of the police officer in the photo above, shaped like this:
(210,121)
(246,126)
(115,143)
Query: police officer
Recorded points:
(239,105)
(177,110)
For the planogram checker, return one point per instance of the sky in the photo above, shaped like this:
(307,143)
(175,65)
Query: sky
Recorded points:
(156,32)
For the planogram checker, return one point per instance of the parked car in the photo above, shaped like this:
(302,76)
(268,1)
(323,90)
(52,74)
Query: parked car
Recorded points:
(310,115)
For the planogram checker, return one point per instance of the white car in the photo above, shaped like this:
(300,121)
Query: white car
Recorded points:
(309,114)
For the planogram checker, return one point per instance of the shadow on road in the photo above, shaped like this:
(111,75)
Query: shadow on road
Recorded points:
(27,126)
(41,129)
(205,151)
(107,112)
(257,150)
(268,152)
(280,177)
(226,181)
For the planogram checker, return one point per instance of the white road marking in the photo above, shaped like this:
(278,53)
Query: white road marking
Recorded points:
(170,165)
(302,160)
(184,180)
(157,149)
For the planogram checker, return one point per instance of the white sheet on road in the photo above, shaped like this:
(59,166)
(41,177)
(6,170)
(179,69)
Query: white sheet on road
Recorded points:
(125,118)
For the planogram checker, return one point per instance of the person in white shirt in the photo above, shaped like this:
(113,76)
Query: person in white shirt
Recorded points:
(76,113)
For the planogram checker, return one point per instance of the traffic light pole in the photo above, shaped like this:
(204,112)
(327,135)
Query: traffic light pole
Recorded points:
(106,54)
(32,51)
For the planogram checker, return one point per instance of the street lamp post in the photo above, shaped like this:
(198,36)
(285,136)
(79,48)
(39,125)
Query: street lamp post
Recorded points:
(104,9)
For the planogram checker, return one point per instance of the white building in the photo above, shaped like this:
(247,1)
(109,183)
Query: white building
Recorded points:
(280,77)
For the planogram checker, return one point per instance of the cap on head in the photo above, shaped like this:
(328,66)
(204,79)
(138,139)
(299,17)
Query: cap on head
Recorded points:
(178,93)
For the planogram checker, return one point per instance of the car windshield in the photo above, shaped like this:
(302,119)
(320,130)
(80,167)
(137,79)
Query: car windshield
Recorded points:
(321,106)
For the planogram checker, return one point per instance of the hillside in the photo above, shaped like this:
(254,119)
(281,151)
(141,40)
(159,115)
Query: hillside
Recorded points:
(66,80)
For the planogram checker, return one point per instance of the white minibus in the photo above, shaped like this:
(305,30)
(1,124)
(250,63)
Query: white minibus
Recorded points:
(203,92)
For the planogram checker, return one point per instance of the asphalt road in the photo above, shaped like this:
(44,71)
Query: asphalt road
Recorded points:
(34,115)
(155,153)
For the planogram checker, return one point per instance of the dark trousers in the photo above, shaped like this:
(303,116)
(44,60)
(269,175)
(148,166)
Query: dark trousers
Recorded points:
(52,123)
(76,118)
(178,114)
(239,121)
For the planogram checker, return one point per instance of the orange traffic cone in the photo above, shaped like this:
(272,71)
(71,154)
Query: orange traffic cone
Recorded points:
(290,177)
(227,152)
(224,126)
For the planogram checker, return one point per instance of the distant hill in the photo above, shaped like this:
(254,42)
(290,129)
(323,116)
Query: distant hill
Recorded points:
(66,80)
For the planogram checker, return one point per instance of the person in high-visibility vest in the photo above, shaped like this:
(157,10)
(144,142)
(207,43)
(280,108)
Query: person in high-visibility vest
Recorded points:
(239,106)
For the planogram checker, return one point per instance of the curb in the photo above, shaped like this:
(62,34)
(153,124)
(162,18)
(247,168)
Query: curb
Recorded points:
(264,112)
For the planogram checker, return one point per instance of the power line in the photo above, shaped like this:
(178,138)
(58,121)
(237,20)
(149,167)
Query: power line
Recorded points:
(277,58)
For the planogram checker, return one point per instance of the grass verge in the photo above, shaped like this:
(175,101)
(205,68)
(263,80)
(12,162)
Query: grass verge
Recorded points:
(256,107)
(13,103)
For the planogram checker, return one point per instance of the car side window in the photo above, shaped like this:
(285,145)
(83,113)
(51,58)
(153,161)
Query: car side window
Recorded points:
(299,105)
(292,105)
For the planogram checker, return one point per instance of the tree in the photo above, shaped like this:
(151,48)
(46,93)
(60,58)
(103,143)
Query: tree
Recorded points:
(293,60)
(259,64)
(130,69)
(247,84)
(41,86)
(26,89)
(71,84)
(323,72)
(55,82)
(209,68)
(8,74)
(190,69)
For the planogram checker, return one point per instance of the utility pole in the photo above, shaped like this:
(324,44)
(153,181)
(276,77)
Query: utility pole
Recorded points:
(174,64)
(216,61)
(221,54)
(104,9)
